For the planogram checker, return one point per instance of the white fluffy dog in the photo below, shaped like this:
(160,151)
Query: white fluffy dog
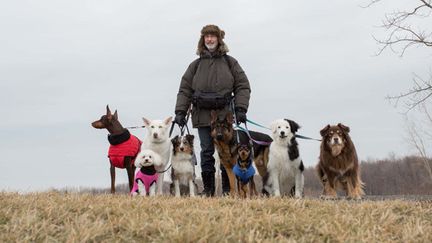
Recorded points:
(157,140)
(146,177)
(285,167)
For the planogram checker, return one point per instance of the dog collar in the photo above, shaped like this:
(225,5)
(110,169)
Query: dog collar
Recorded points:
(148,170)
(119,138)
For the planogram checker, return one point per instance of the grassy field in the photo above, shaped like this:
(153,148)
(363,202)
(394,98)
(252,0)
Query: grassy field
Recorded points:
(54,216)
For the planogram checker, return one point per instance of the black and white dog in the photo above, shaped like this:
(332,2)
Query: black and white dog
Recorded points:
(285,167)
(183,166)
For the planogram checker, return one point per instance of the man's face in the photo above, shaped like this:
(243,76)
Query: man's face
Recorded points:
(210,42)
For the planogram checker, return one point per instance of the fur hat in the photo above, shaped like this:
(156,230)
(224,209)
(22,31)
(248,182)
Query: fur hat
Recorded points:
(212,30)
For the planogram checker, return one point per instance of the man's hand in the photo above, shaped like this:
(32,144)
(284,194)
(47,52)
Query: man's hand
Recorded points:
(180,118)
(240,115)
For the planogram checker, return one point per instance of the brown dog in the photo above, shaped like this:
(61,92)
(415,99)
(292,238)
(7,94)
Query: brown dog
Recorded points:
(224,138)
(124,146)
(338,165)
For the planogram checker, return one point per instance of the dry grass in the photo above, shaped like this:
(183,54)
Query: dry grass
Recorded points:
(84,217)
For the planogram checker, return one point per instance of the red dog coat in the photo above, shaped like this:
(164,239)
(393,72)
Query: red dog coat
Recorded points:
(130,146)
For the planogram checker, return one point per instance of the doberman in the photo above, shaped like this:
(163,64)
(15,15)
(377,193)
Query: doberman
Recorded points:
(124,147)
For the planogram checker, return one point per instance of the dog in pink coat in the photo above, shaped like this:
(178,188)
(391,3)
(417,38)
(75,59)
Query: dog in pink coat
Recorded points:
(146,176)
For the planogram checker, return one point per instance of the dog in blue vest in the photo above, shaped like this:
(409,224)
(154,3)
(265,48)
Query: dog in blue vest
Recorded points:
(244,171)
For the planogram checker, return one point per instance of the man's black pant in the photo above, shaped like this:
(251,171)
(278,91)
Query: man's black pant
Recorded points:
(207,159)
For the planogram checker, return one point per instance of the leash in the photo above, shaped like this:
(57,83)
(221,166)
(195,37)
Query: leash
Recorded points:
(182,128)
(237,128)
(308,138)
(296,135)
(161,172)
(135,127)
(257,124)
(235,119)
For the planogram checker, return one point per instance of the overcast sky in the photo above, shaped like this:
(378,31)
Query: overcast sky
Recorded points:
(61,62)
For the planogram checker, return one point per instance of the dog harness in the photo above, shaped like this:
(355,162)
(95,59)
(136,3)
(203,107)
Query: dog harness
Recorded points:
(244,175)
(122,145)
(147,175)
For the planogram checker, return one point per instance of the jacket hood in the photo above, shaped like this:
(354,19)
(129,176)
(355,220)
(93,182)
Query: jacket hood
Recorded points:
(214,30)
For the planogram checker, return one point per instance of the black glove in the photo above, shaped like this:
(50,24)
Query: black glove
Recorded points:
(180,118)
(240,115)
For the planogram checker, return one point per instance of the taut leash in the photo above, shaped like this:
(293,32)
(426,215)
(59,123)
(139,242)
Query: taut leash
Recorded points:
(135,127)
(304,137)
(257,124)
(296,135)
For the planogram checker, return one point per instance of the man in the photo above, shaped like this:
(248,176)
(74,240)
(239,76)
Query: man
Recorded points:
(213,75)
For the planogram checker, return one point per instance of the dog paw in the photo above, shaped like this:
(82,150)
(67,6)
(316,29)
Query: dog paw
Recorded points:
(328,197)
(356,198)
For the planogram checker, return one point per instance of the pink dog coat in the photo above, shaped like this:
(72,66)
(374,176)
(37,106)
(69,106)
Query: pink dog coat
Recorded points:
(147,175)
(127,145)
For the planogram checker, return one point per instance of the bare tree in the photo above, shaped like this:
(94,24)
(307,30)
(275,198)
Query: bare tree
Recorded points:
(404,29)
(420,135)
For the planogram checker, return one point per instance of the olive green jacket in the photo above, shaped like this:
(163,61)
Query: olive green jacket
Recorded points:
(211,73)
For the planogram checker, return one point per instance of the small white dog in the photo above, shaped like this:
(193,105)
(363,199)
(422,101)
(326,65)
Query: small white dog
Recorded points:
(183,165)
(285,167)
(157,140)
(146,177)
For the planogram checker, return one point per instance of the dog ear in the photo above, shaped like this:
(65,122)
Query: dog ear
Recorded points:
(273,126)
(190,138)
(108,112)
(325,130)
(115,115)
(174,140)
(294,126)
(168,120)
(229,117)
(213,115)
(146,122)
(344,128)
(138,159)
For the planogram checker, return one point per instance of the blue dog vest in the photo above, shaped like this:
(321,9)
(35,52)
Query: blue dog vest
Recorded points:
(244,175)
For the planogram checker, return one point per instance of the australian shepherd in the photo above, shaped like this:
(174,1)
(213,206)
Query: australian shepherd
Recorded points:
(183,165)
(338,165)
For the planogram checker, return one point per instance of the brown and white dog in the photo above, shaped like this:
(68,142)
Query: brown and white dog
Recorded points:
(183,165)
(338,165)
